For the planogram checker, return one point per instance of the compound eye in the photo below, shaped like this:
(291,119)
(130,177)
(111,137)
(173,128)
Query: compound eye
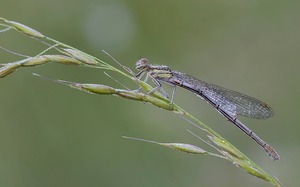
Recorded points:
(141,64)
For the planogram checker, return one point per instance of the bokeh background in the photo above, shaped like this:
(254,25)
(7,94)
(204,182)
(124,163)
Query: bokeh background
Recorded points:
(51,135)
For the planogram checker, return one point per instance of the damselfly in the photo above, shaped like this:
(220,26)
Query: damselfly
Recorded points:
(228,103)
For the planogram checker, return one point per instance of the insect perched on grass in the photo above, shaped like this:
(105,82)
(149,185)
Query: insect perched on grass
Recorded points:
(228,103)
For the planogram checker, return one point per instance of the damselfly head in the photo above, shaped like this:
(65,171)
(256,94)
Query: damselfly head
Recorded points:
(141,64)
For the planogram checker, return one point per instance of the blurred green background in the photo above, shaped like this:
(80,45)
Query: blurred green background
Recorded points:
(51,135)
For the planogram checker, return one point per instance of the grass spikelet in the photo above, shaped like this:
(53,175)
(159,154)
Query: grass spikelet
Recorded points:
(35,61)
(24,29)
(82,57)
(8,69)
(62,59)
